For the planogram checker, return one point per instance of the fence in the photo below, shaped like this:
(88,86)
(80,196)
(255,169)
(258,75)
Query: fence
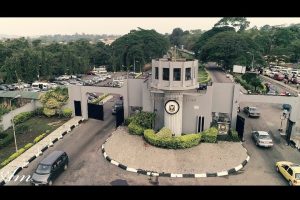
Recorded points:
(5,122)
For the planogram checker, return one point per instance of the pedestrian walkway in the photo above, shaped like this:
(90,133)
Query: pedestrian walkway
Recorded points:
(134,154)
(28,156)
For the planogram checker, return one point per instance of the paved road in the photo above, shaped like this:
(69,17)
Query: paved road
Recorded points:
(218,75)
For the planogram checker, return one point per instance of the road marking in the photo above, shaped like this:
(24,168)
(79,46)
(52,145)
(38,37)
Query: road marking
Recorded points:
(200,175)
(176,175)
(238,167)
(248,158)
(131,170)
(114,162)
(223,173)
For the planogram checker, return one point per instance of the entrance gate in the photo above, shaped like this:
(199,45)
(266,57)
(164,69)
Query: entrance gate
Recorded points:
(95,111)
(240,123)
(119,116)
(77,106)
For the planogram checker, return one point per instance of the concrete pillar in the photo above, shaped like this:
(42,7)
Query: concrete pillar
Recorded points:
(174,121)
(235,103)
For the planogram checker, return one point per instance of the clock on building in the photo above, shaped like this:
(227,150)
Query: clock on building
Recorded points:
(171,107)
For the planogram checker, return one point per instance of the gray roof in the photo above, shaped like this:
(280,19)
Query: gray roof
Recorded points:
(51,158)
(24,94)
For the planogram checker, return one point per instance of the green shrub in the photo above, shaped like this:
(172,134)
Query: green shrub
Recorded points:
(135,129)
(6,141)
(128,120)
(22,117)
(144,119)
(12,157)
(39,138)
(27,146)
(234,136)
(67,112)
(210,135)
(179,142)
(164,133)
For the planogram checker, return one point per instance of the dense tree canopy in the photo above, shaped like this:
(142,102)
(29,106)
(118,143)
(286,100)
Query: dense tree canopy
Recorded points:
(139,46)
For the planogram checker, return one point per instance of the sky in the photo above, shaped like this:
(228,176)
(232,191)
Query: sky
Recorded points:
(118,26)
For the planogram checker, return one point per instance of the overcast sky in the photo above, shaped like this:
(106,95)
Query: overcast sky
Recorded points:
(119,26)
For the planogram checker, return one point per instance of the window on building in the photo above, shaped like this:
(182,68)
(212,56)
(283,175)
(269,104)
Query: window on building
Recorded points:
(166,74)
(176,74)
(156,72)
(188,75)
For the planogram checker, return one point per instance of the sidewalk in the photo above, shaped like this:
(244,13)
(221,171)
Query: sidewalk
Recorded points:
(28,156)
(132,153)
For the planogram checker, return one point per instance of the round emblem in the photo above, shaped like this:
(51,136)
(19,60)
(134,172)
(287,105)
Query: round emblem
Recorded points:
(222,127)
(171,107)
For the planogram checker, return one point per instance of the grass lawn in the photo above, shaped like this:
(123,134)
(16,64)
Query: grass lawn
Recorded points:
(36,126)
(202,76)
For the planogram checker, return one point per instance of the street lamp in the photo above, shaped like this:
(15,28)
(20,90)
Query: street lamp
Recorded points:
(12,120)
(252,58)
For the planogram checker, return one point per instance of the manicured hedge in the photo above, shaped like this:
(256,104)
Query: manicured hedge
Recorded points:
(135,129)
(12,157)
(39,138)
(210,135)
(179,142)
(143,119)
(27,146)
(164,133)
(22,117)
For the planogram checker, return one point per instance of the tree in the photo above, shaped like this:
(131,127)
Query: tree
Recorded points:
(239,23)
(227,48)
(255,82)
(176,36)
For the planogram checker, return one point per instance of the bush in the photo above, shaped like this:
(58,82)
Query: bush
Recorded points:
(144,119)
(210,135)
(22,117)
(27,146)
(234,136)
(128,120)
(49,112)
(164,133)
(39,138)
(135,129)
(12,157)
(6,141)
(180,142)
(67,112)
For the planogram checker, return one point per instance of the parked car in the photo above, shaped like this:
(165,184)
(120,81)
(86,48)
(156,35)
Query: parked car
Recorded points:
(118,105)
(272,92)
(202,86)
(262,138)
(251,111)
(49,168)
(285,93)
(278,77)
(290,171)
(3,87)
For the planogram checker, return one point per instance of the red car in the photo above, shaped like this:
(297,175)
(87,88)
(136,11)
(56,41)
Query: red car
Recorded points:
(278,77)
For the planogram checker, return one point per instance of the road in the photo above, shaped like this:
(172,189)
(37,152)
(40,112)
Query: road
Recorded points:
(218,75)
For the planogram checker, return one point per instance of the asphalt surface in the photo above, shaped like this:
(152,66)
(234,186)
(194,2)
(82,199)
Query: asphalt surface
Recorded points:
(218,75)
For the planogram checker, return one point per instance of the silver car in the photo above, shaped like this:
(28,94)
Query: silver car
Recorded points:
(262,138)
(251,111)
